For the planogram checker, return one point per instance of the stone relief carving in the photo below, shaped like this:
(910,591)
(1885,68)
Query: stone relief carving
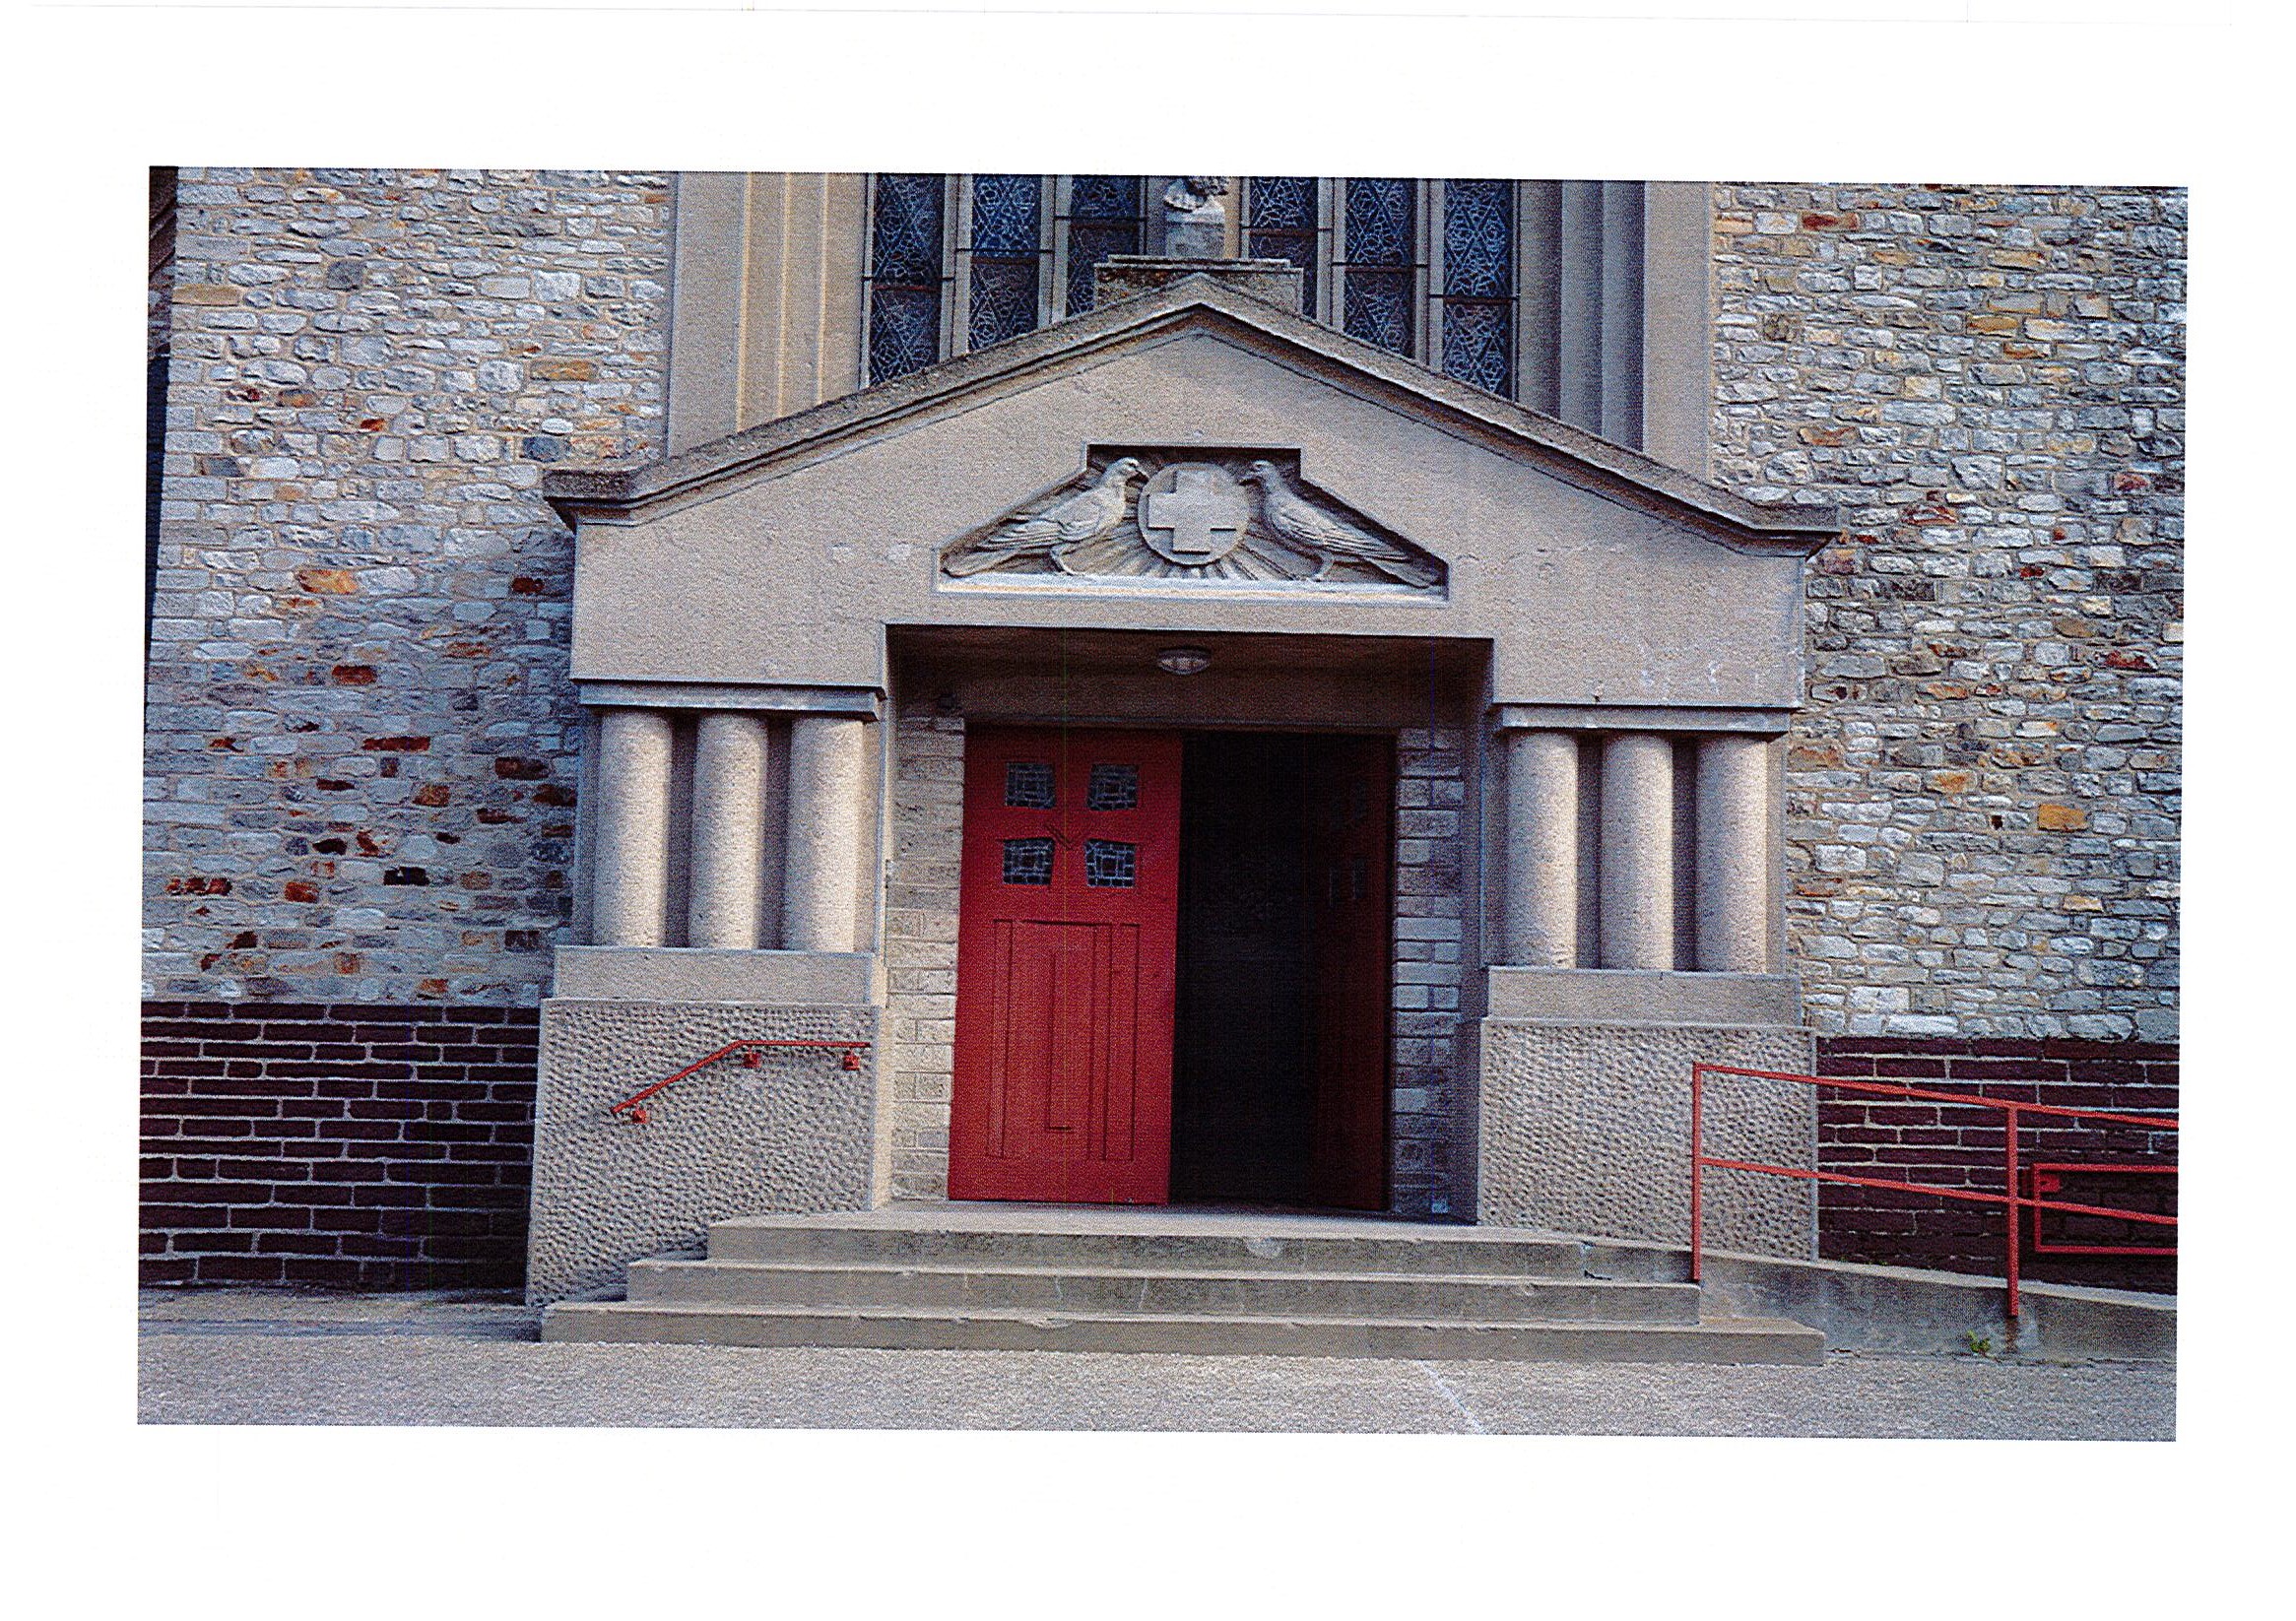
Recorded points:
(1213,516)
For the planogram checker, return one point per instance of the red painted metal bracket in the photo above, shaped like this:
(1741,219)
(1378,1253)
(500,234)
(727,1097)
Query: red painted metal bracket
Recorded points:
(752,1051)
(2050,1179)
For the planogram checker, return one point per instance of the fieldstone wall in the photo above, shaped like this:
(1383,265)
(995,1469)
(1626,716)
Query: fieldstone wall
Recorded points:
(1983,795)
(361,737)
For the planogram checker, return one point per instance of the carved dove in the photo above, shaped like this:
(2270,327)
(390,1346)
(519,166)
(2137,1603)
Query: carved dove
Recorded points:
(1328,539)
(1082,518)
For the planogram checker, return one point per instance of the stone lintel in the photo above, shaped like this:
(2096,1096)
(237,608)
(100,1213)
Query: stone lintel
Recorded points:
(865,702)
(1633,717)
(662,974)
(1643,996)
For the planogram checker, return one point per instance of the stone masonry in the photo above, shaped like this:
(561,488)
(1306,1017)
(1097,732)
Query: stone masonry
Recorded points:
(1983,795)
(360,736)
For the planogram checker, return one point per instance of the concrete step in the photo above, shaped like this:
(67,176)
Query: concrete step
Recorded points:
(1083,1286)
(1197,1241)
(1722,1340)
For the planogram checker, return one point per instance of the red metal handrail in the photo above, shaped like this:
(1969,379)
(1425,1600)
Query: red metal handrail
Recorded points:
(753,1053)
(2011,1198)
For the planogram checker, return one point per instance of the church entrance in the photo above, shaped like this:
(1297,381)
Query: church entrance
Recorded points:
(1173,964)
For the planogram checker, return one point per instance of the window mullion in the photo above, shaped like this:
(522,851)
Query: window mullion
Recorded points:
(951,328)
(1432,288)
(1048,228)
(960,259)
(1325,251)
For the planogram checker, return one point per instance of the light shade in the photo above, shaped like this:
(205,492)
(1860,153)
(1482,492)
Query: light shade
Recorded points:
(1183,661)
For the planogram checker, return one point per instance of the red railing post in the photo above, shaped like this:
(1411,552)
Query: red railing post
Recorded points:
(1697,1169)
(2010,1161)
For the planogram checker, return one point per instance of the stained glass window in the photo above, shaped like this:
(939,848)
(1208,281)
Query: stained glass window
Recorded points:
(1104,218)
(1028,861)
(1479,283)
(1282,209)
(1006,223)
(1113,788)
(1028,784)
(1382,220)
(904,303)
(1108,865)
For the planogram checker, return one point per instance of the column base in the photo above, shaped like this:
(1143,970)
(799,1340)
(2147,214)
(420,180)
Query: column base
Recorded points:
(1643,995)
(680,973)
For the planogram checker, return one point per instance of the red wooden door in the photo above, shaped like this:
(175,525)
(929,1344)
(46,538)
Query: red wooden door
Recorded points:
(1068,920)
(1348,866)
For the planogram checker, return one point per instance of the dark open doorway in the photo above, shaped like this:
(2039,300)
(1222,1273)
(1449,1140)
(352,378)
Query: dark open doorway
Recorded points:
(1280,1041)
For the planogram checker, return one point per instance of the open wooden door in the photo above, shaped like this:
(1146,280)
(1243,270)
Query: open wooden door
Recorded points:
(1068,913)
(1348,870)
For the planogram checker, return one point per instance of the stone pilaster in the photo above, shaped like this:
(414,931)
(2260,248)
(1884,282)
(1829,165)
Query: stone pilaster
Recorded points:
(724,880)
(1542,861)
(1733,900)
(630,886)
(828,775)
(1637,853)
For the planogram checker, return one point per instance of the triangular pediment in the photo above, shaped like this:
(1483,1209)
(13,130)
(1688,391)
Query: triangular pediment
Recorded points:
(1195,306)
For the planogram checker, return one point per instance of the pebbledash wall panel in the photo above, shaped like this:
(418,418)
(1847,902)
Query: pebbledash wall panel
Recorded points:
(351,1145)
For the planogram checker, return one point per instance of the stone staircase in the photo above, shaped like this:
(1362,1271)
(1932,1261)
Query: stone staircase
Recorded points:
(1037,1278)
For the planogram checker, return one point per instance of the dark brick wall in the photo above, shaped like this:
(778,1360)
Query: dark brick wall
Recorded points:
(339,1144)
(1959,1147)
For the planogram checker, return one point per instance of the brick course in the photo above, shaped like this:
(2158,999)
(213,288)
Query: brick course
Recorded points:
(345,1144)
(1960,1146)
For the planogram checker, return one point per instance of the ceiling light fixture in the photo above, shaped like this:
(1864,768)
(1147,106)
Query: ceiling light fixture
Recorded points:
(1184,661)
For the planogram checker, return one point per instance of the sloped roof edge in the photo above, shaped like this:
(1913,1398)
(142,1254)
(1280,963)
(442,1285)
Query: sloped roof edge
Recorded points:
(1608,468)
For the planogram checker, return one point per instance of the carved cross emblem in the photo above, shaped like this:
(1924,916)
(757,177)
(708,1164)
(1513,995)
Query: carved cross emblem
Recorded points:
(1194,513)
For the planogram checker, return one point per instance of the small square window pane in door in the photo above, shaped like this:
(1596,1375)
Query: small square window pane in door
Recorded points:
(1028,785)
(1028,861)
(1113,788)
(1109,865)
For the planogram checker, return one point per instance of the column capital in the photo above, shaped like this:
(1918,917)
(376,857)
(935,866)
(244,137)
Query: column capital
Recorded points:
(858,702)
(1753,721)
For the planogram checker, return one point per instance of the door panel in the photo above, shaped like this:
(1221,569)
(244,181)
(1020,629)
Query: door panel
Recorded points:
(1350,866)
(1068,919)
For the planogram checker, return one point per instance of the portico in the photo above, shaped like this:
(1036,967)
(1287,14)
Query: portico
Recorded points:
(1578,661)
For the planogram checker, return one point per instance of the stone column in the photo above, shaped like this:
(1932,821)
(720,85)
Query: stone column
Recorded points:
(1637,851)
(1543,849)
(827,819)
(725,878)
(1734,846)
(630,876)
